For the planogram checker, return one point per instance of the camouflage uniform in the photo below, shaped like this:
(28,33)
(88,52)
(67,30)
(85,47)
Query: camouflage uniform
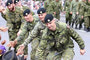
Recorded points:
(87,16)
(35,33)
(59,43)
(81,9)
(57,8)
(73,9)
(27,27)
(14,22)
(67,9)
(49,6)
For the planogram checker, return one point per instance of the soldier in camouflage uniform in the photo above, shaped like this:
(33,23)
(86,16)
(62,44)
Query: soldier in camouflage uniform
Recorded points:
(57,9)
(81,9)
(49,6)
(36,33)
(57,40)
(87,16)
(13,18)
(54,7)
(67,11)
(27,27)
(74,12)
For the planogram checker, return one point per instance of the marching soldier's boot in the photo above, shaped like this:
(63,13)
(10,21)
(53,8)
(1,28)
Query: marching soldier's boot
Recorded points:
(80,26)
(72,23)
(86,29)
(76,26)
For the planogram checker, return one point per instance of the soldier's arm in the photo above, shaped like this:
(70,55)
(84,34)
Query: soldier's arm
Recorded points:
(42,47)
(65,6)
(61,8)
(71,6)
(76,37)
(33,34)
(23,32)
(78,7)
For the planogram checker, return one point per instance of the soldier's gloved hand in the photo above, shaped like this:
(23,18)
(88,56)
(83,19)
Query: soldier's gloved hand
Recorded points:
(82,51)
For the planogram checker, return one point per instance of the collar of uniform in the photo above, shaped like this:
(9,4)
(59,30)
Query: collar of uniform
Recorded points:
(57,28)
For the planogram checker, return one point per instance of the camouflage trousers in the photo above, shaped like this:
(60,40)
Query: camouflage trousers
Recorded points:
(87,22)
(67,54)
(68,18)
(34,45)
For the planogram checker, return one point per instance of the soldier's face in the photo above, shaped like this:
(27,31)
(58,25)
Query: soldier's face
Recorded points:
(29,18)
(42,16)
(51,25)
(11,7)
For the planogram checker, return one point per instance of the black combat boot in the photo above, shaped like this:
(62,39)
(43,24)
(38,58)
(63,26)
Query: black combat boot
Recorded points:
(80,26)
(76,27)
(86,29)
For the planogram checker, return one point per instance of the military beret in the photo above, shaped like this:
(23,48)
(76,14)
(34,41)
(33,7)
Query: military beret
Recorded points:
(41,10)
(9,2)
(2,50)
(15,1)
(26,12)
(48,18)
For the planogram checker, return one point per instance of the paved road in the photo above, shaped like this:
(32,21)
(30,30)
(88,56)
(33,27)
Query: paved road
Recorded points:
(85,36)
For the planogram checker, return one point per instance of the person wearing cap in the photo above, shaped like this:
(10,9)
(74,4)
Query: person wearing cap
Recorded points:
(27,27)
(57,39)
(36,32)
(14,19)
(22,9)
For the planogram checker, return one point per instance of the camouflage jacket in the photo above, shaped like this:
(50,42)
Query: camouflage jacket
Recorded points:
(58,40)
(57,7)
(27,27)
(81,8)
(67,6)
(14,19)
(49,6)
(74,6)
(87,9)
(36,32)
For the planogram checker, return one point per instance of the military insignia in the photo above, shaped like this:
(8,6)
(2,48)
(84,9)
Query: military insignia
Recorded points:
(26,13)
(8,3)
(48,20)
(40,12)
